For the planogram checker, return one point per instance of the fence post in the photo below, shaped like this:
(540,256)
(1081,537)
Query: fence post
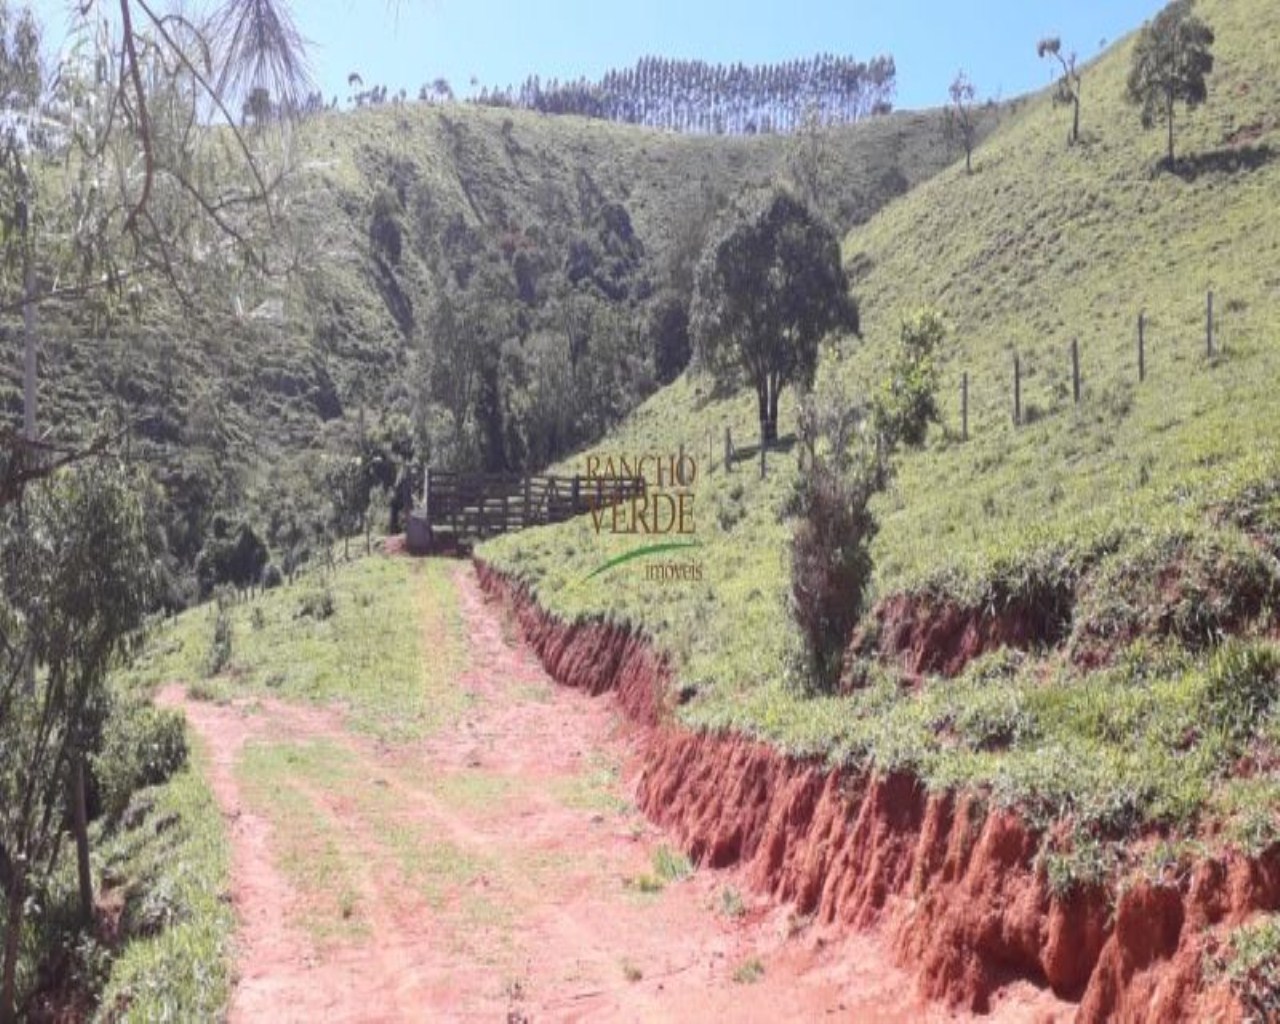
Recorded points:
(1017,391)
(527,516)
(1208,324)
(575,491)
(964,407)
(1142,346)
(728,450)
(1075,369)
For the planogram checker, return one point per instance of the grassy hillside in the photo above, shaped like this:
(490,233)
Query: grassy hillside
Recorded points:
(298,352)
(1045,244)
(548,232)
(1152,506)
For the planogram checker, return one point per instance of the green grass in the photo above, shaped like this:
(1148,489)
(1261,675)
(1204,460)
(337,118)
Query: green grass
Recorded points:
(389,654)
(668,866)
(472,790)
(594,788)
(730,904)
(177,880)
(1251,966)
(1150,507)
(312,851)
(286,781)
(749,971)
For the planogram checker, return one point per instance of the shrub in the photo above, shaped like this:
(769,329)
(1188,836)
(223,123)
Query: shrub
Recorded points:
(237,560)
(908,402)
(219,654)
(142,745)
(847,464)
(830,567)
(316,604)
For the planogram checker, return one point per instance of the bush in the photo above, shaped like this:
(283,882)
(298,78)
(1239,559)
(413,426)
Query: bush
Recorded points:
(316,604)
(237,560)
(830,567)
(142,745)
(908,401)
(219,655)
(848,464)
(272,577)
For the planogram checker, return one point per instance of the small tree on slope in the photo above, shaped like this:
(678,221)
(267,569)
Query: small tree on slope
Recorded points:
(1068,87)
(1171,60)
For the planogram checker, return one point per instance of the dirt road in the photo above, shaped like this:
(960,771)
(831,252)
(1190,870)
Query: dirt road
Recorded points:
(496,870)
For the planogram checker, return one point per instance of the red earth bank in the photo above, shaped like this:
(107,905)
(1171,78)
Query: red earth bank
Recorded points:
(954,885)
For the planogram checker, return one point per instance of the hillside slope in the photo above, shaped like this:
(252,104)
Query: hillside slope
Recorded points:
(547,235)
(1073,619)
(1119,542)
(1041,244)
(1045,244)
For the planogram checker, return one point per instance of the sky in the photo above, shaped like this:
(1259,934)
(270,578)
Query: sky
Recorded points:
(406,43)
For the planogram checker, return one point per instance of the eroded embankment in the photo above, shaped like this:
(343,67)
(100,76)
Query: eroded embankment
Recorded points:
(955,886)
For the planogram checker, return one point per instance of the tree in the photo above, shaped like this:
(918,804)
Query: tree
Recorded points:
(768,290)
(907,402)
(669,337)
(961,123)
(141,189)
(1171,59)
(76,564)
(258,108)
(347,485)
(1068,87)
(811,162)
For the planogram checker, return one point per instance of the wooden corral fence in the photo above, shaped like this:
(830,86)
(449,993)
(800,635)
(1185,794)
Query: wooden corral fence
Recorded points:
(459,509)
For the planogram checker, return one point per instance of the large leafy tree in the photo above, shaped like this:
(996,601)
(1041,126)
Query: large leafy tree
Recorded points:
(76,564)
(1171,61)
(768,290)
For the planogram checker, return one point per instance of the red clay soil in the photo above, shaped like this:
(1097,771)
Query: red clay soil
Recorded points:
(922,634)
(952,888)
(524,911)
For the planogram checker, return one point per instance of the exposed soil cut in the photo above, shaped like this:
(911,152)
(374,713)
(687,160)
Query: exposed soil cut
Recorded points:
(922,634)
(497,869)
(952,889)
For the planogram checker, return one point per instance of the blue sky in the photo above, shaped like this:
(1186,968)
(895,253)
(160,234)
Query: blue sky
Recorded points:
(404,43)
